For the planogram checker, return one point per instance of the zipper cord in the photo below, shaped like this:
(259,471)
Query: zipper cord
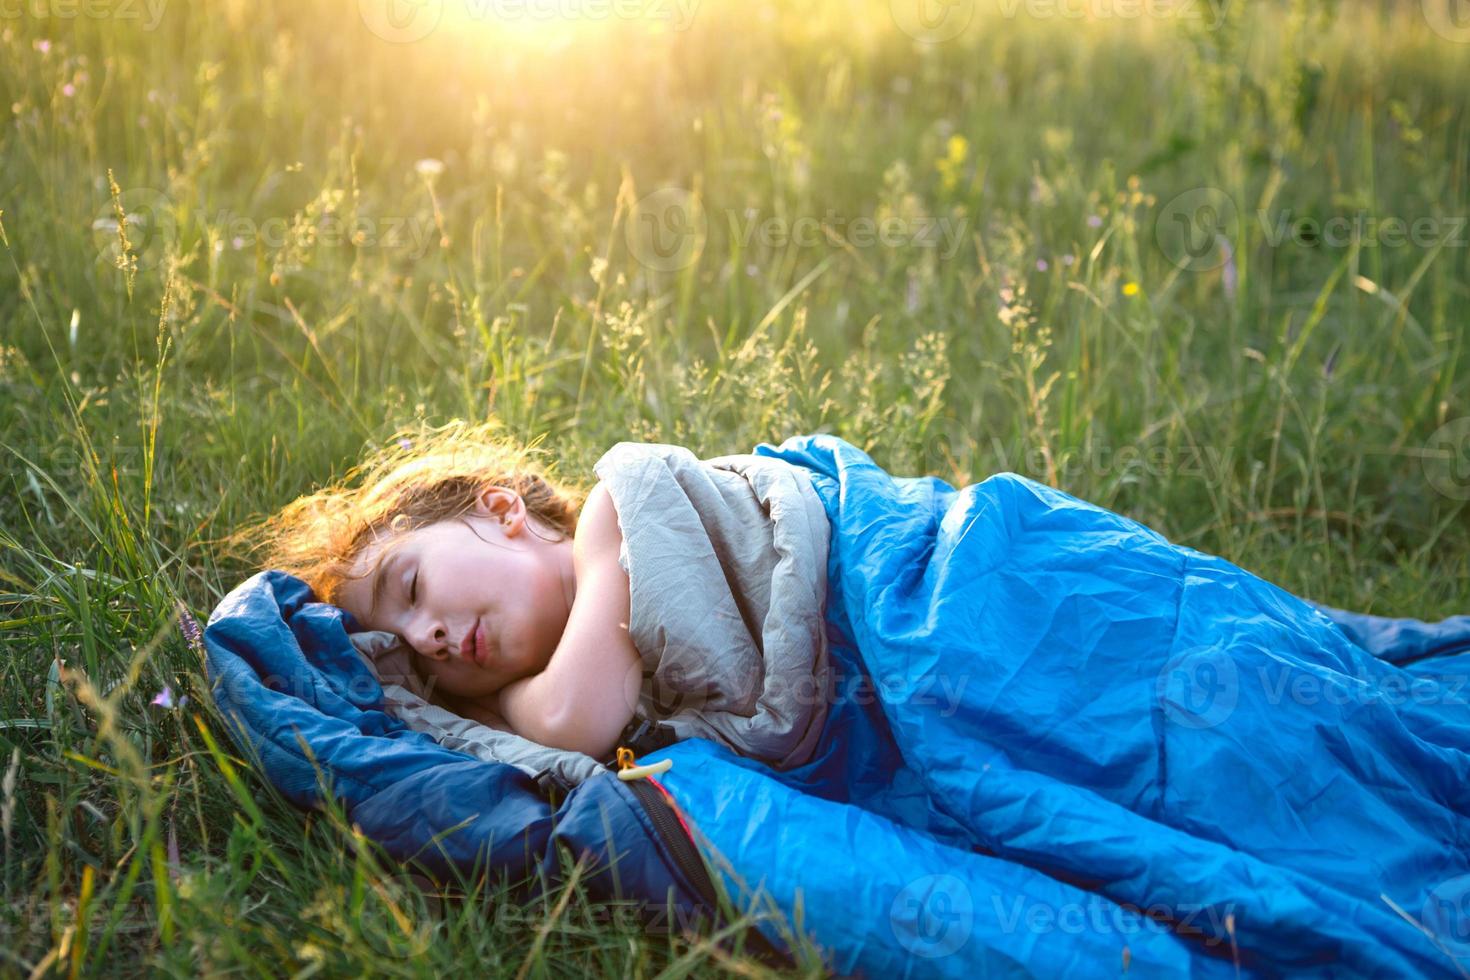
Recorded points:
(629,769)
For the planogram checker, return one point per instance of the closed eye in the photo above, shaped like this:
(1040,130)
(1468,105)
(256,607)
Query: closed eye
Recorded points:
(413,588)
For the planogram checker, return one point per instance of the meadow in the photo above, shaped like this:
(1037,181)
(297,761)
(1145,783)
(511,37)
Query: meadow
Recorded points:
(1204,263)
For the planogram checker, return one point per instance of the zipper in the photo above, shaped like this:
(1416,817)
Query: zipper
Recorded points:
(677,841)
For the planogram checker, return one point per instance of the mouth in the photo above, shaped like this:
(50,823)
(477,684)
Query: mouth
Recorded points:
(472,647)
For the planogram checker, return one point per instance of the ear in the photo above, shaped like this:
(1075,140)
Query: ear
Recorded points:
(503,505)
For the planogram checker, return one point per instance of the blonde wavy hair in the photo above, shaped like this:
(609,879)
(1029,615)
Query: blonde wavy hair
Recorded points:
(420,476)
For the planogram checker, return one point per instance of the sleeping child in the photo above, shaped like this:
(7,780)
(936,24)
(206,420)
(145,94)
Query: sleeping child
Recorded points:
(512,592)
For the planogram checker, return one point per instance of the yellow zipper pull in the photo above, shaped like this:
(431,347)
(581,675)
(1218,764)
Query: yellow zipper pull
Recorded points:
(628,769)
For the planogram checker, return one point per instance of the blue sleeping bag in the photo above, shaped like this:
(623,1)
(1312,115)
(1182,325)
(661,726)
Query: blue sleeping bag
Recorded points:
(1060,746)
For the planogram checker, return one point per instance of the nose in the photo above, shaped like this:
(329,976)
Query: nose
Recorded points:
(429,637)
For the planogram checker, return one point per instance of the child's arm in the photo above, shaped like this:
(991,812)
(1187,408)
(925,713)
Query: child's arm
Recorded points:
(586,694)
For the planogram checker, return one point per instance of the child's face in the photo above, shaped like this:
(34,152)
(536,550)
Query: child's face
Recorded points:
(489,569)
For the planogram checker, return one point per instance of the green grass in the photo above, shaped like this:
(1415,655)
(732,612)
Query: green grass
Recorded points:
(238,350)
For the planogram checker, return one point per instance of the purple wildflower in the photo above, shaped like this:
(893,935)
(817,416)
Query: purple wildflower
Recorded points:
(1041,265)
(165,699)
(189,626)
(1094,221)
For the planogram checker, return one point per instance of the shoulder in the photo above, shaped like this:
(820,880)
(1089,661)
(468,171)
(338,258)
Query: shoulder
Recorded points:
(598,533)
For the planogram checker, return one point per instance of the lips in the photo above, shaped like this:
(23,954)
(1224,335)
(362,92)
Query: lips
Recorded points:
(472,647)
